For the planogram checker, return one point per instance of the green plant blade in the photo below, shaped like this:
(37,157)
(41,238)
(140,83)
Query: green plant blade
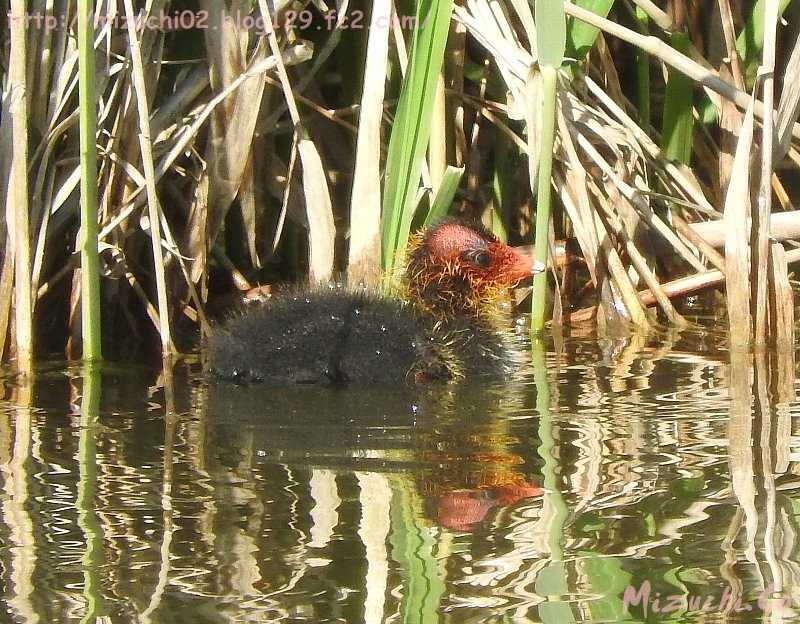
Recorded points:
(678,124)
(580,35)
(444,198)
(751,40)
(411,129)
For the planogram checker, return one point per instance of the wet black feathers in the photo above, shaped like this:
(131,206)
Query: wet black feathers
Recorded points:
(325,335)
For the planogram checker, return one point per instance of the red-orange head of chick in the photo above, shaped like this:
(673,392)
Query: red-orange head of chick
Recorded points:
(458,268)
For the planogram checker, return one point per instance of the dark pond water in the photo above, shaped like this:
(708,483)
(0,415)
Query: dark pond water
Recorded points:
(616,476)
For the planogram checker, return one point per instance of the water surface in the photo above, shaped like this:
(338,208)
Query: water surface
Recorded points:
(615,475)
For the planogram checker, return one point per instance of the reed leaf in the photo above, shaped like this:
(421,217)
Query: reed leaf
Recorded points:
(445,195)
(232,128)
(678,125)
(750,41)
(411,128)
(580,35)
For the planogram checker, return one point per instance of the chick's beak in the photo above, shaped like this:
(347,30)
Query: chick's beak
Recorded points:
(524,265)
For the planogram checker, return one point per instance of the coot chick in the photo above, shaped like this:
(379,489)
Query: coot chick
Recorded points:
(450,319)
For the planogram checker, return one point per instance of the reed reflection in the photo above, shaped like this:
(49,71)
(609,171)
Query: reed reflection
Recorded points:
(634,461)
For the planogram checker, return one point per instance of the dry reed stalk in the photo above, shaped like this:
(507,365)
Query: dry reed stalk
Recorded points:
(781,300)
(321,55)
(728,31)
(7,271)
(232,127)
(332,115)
(639,263)
(576,201)
(637,200)
(759,264)
(474,155)
(688,232)
(781,320)
(149,308)
(182,139)
(153,205)
(437,143)
(399,41)
(654,46)
(287,193)
(454,72)
(321,228)
(783,226)
(17,201)
(682,176)
(365,200)
(6,290)
(578,205)
(789,106)
(730,124)
(737,238)
(630,299)
(680,287)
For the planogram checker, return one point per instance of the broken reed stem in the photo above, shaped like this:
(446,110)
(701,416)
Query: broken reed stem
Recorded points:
(364,262)
(87,239)
(679,287)
(686,230)
(153,208)
(640,265)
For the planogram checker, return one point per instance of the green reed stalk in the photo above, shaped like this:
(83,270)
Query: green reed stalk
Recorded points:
(412,127)
(87,239)
(550,41)
(503,183)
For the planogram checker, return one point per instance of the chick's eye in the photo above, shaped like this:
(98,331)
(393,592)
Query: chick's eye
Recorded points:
(480,259)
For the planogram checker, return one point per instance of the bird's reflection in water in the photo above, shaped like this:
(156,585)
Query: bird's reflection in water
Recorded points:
(454,444)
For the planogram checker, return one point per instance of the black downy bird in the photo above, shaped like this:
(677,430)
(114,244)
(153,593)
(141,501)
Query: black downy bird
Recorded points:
(451,319)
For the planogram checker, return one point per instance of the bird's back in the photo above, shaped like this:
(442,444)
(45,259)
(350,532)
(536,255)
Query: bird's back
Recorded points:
(326,335)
